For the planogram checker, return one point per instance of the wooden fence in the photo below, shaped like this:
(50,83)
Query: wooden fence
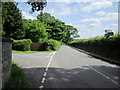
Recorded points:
(37,47)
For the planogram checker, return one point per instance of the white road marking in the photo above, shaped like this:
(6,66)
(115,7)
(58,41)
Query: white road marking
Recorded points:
(49,54)
(45,73)
(41,87)
(50,59)
(103,75)
(43,80)
(46,69)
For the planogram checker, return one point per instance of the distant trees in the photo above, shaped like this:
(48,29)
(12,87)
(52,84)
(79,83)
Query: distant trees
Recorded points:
(57,29)
(12,21)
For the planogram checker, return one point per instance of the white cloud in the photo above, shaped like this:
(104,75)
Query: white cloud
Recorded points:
(65,10)
(114,25)
(93,25)
(70,24)
(104,16)
(27,16)
(79,27)
(107,16)
(90,30)
(96,6)
(52,11)
(91,20)
(101,13)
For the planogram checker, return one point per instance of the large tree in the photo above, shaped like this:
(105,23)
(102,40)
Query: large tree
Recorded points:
(12,20)
(57,29)
(35,31)
(71,33)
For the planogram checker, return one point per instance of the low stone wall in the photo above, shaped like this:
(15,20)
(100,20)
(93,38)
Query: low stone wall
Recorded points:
(6,59)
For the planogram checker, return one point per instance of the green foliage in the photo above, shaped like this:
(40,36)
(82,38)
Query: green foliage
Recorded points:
(35,31)
(42,17)
(107,47)
(18,78)
(22,45)
(57,29)
(12,21)
(53,45)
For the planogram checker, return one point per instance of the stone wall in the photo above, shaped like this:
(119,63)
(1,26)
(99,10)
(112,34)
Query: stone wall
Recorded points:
(6,59)
(0,63)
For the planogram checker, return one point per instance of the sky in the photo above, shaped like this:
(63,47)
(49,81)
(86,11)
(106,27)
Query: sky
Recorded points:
(91,18)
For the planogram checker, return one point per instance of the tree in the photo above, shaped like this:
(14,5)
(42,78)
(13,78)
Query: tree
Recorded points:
(57,29)
(44,16)
(37,5)
(71,33)
(12,21)
(35,31)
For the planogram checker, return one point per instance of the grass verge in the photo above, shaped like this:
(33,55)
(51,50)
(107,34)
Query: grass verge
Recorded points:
(14,51)
(18,78)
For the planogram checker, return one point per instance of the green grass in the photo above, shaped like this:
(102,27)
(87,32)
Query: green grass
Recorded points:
(14,51)
(18,78)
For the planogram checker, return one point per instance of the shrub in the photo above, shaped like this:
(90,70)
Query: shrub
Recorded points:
(52,44)
(107,47)
(22,45)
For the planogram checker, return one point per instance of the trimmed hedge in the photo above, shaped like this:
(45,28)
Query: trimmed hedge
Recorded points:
(52,45)
(22,45)
(102,46)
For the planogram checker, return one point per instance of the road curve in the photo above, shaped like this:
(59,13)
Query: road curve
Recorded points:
(67,68)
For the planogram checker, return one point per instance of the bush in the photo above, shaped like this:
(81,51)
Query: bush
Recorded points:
(52,45)
(22,45)
(106,47)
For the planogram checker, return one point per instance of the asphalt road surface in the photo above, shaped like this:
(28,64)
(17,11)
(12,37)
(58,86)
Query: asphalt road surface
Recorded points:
(67,68)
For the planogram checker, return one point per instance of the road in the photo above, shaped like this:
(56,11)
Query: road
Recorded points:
(67,68)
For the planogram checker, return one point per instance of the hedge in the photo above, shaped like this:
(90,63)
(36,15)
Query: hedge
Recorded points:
(22,45)
(106,47)
(52,45)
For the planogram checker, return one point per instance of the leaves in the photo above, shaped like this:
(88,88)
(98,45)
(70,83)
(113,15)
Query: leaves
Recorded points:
(12,21)
(57,29)
(35,31)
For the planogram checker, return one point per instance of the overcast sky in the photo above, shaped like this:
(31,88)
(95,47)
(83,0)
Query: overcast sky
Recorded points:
(90,18)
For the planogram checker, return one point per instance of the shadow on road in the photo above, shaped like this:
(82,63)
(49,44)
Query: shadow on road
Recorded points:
(82,77)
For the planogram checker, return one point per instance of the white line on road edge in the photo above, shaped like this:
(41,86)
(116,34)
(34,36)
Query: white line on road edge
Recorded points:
(43,79)
(103,75)
(49,54)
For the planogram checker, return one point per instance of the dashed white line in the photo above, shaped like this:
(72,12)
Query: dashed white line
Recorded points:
(45,73)
(43,80)
(103,75)
(46,69)
(41,87)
